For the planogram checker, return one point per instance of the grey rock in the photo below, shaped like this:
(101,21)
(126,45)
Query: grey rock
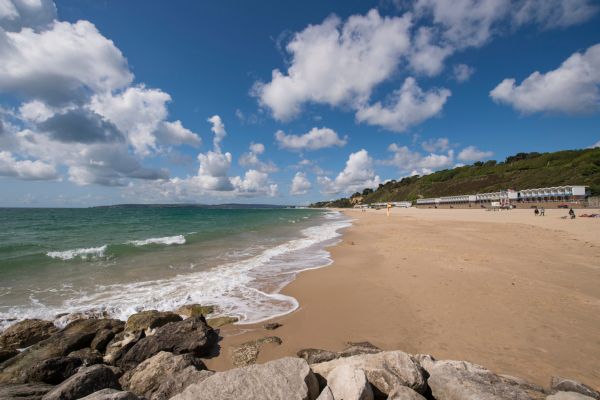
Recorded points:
(26,333)
(5,354)
(272,326)
(218,322)
(315,356)
(247,353)
(404,393)
(326,394)
(349,383)
(568,396)
(86,381)
(355,348)
(286,379)
(558,383)
(77,335)
(54,370)
(461,380)
(191,335)
(87,356)
(30,391)
(194,310)
(148,321)
(164,375)
(110,394)
(120,345)
(102,339)
(385,370)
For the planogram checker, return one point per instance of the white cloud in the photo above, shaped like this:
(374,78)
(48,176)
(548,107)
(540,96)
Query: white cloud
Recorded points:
(218,129)
(427,56)
(406,160)
(25,169)
(554,13)
(571,88)
(595,145)
(462,72)
(315,139)
(408,106)
(433,145)
(472,153)
(254,183)
(175,133)
(17,14)
(214,167)
(356,176)
(35,111)
(300,184)
(336,62)
(252,159)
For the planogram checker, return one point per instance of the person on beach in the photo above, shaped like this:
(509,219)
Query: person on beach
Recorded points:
(542,211)
(536,211)
(389,206)
(572,213)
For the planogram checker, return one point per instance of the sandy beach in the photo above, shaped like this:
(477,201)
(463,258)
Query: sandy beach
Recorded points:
(515,293)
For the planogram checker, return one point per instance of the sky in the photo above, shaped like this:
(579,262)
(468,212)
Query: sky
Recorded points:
(281,102)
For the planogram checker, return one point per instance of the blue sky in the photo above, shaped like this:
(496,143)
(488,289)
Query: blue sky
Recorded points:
(105,102)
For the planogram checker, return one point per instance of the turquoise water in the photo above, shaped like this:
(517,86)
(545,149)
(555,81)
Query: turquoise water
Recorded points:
(121,260)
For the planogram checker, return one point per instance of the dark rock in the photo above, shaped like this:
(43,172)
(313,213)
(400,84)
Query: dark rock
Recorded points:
(247,353)
(191,335)
(287,378)
(30,391)
(355,348)
(5,354)
(54,370)
(194,310)
(77,335)
(569,385)
(148,321)
(102,339)
(110,394)
(164,375)
(26,333)
(272,326)
(86,381)
(315,356)
(87,356)
(120,345)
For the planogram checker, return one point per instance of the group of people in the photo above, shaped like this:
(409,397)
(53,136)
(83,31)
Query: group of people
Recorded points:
(541,211)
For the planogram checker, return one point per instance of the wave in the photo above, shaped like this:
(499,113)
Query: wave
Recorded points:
(84,253)
(167,240)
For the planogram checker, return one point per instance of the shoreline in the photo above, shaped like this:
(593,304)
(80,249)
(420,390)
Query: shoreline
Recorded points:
(429,290)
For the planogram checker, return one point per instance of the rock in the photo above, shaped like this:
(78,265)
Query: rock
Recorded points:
(247,353)
(326,394)
(287,378)
(454,380)
(569,385)
(102,339)
(315,356)
(536,392)
(568,396)
(194,310)
(30,391)
(5,354)
(221,321)
(385,370)
(404,393)
(77,335)
(272,326)
(355,348)
(54,370)
(120,345)
(110,394)
(26,333)
(87,381)
(87,356)
(349,383)
(191,335)
(164,375)
(148,321)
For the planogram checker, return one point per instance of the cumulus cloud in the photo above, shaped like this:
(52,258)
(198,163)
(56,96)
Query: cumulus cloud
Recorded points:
(214,167)
(572,88)
(408,106)
(554,13)
(357,175)
(252,159)
(254,183)
(218,128)
(462,72)
(418,164)
(300,184)
(18,14)
(80,126)
(336,62)
(315,139)
(25,169)
(433,145)
(472,153)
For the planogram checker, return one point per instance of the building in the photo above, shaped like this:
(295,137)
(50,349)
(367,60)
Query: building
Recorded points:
(549,196)
(399,204)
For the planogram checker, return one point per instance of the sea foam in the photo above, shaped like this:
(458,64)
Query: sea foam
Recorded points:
(167,240)
(84,253)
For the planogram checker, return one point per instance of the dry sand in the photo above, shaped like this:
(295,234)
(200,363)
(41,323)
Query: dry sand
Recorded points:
(515,293)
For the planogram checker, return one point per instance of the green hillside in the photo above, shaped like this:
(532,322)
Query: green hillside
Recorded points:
(521,171)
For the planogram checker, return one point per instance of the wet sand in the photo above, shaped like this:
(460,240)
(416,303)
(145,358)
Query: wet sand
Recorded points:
(515,293)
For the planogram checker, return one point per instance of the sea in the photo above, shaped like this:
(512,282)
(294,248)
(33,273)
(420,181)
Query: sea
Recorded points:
(115,261)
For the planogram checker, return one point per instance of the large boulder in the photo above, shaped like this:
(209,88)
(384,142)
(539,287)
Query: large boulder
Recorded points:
(286,379)
(87,356)
(404,393)
(385,370)
(54,370)
(194,310)
(247,353)
(86,381)
(558,383)
(110,394)
(26,333)
(148,321)
(191,335)
(75,336)
(120,344)
(568,396)
(5,354)
(315,356)
(461,380)
(164,375)
(349,383)
(326,394)
(30,391)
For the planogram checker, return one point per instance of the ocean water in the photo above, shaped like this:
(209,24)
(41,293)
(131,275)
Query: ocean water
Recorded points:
(118,261)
